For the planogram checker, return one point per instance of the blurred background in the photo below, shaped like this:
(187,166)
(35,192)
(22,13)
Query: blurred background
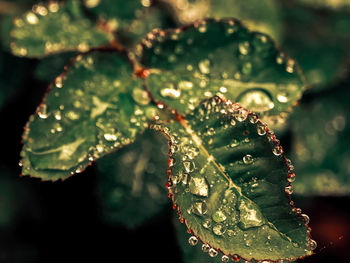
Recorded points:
(118,207)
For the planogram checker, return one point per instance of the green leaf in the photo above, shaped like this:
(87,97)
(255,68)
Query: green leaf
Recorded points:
(56,28)
(118,12)
(132,181)
(321,146)
(88,112)
(220,58)
(228,178)
(259,15)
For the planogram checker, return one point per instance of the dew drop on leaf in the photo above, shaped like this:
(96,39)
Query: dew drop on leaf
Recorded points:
(204,66)
(200,208)
(225,258)
(247,159)
(219,229)
(313,244)
(205,247)
(198,186)
(256,100)
(193,240)
(170,92)
(207,223)
(140,96)
(219,216)
(261,130)
(213,252)
(189,166)
(42,113)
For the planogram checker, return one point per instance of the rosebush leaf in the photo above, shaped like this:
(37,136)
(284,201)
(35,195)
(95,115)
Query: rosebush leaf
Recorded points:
(96,106)
(221,58)
(228,180)
(131,181)
(56,28)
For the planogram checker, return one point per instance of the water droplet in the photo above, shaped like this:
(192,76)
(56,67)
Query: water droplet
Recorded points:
(313,244)
(277,150)
(289,189)
(42,113)
(170,92)
(32,18)
(205,247)
(225,258)
(241,114)
(253,118)
(219,216)
(231,233)
(200,208)
(204,66)
(306,218)
(189,166)
(212,252)
(247,68)
(223,89)
(247,159)
(58,115)
(280,58)
(261,129)
(290,65)
(185,85)
(198,186)
(291,177)
(140,96)
(219,229)
(282,97)
(207,223)
(244,47)
(193,240)
(250,215)
(256,100)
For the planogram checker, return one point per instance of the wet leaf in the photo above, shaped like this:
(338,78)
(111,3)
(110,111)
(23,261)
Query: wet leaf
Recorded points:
(132,181)
(228,181)
(220,58)
(258,15)
(55,28)
(95,107)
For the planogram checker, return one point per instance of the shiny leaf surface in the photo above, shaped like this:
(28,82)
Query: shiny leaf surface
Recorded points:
(230,182)
(96,106)
(220,58)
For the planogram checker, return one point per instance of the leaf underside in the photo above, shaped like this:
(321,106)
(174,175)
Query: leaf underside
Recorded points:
(228,180)
(220,57)
(93,108)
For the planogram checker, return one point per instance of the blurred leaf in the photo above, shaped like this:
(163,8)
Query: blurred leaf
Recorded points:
(321,148)
(336,4)
(258,15)
(56,28)
(220,58)
(132,181)
(89,112)
(228,179)
(319,40)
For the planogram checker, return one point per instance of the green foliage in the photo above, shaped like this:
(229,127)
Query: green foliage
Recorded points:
(228,176)
(229,182)
(89,111)
(56,28)
(225,59)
